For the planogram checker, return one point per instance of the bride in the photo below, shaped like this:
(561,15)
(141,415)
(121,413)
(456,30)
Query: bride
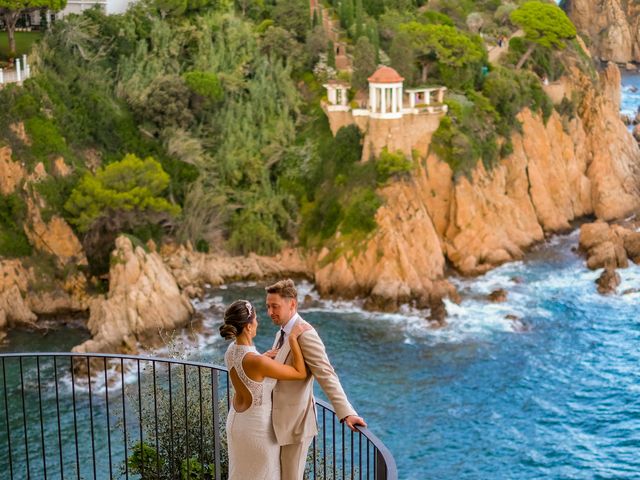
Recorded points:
(253,450)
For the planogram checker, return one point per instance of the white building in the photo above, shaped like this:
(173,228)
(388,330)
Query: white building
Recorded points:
(110,7)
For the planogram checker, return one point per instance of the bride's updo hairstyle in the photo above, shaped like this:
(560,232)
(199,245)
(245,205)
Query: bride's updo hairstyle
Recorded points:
(237,316)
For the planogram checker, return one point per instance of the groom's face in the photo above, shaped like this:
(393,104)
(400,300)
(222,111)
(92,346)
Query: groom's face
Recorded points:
(280,309)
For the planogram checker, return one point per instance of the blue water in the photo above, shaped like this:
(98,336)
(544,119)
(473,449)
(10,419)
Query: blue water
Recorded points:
(630,100)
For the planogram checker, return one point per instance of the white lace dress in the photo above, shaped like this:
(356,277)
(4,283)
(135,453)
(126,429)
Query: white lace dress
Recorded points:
(254,453)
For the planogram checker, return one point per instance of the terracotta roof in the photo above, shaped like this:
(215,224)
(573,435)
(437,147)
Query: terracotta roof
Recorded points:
(385,75)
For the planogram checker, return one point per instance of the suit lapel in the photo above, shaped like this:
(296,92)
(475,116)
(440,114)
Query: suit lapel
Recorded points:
(283,353)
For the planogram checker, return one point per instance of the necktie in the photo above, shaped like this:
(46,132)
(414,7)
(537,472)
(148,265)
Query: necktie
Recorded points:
(280,339)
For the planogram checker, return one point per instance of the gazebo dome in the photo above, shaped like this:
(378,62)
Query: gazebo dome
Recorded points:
(385,75)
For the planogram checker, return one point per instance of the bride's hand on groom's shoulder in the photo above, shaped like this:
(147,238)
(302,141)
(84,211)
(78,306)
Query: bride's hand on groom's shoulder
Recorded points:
(299,328)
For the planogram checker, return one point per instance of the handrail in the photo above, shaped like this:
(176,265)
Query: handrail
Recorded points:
(383,466)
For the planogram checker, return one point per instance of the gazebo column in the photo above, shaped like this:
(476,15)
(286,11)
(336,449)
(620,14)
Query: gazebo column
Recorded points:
(394,101)
(400,99)
(427,97)
(441,95)
(383,104)
(344,97)
(372,99)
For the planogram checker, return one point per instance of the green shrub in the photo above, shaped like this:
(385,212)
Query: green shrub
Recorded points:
(144,458)
(13,241)
(202,246)
(389,164)
(131,185)
(252,233)
(205,84)
(24,106)
(468,134)
(346,148)
(434,17)
(360,212)
(180,443)
(45,137)
(55,192)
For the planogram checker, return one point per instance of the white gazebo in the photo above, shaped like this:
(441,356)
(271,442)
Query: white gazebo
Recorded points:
(385,94)
(337,95)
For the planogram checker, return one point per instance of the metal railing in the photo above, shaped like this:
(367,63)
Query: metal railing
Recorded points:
(80,416)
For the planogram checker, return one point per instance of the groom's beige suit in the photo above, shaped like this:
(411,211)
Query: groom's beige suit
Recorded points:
(294,407)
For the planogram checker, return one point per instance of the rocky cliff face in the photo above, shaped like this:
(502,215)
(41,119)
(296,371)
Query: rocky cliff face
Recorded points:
(612,26)
(558,172)
(143,300)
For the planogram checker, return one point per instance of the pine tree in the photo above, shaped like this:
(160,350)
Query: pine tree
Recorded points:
(331,55)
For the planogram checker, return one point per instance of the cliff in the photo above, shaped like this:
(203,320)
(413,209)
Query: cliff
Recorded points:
(611,26)
(558,172)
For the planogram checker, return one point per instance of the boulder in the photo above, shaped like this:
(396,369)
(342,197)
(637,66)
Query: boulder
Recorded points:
(608,281)
(143,301)
(15,309)
(54,236)
(12,174)
(498,296)
(632,246)
(604,245)
(437,312)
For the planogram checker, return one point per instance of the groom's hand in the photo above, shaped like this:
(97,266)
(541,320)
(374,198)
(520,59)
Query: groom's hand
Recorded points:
(271,353)
(352,420)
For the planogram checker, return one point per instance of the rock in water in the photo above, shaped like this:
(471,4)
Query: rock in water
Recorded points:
(604,244)
(437,312)
(498,296)
(608,281)
(143,300)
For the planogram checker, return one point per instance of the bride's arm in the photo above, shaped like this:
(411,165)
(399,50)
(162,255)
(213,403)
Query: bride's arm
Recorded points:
(266,367)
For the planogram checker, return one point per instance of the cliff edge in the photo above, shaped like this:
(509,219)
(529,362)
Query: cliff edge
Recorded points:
(558,172)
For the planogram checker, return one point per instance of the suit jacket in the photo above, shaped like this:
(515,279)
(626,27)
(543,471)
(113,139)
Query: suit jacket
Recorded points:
(294,406)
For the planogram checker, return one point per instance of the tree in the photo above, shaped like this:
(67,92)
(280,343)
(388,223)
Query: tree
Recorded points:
(130,185)
(293,15)
(10,11)
(123,197)
(403,57)
(452,50)
(364,62)
(280,44)
(331,54)
(544,24)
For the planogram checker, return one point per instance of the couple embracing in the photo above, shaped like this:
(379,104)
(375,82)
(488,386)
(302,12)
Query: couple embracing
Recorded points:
(272,418)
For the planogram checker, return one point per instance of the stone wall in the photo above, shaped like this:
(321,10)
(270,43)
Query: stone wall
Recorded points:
(411,132)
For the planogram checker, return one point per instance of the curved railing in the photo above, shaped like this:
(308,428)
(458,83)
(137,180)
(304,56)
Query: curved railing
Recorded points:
(69,415)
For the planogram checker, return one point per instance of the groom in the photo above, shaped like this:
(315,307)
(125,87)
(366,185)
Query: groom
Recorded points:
(294,413)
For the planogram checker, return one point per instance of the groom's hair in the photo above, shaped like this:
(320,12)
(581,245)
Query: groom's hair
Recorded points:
(285,288)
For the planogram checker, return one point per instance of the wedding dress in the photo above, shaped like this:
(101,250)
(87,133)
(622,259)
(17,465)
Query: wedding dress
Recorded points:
(253,450)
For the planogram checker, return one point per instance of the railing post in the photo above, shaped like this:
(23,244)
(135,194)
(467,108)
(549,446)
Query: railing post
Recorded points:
(18,77)
(381,466)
